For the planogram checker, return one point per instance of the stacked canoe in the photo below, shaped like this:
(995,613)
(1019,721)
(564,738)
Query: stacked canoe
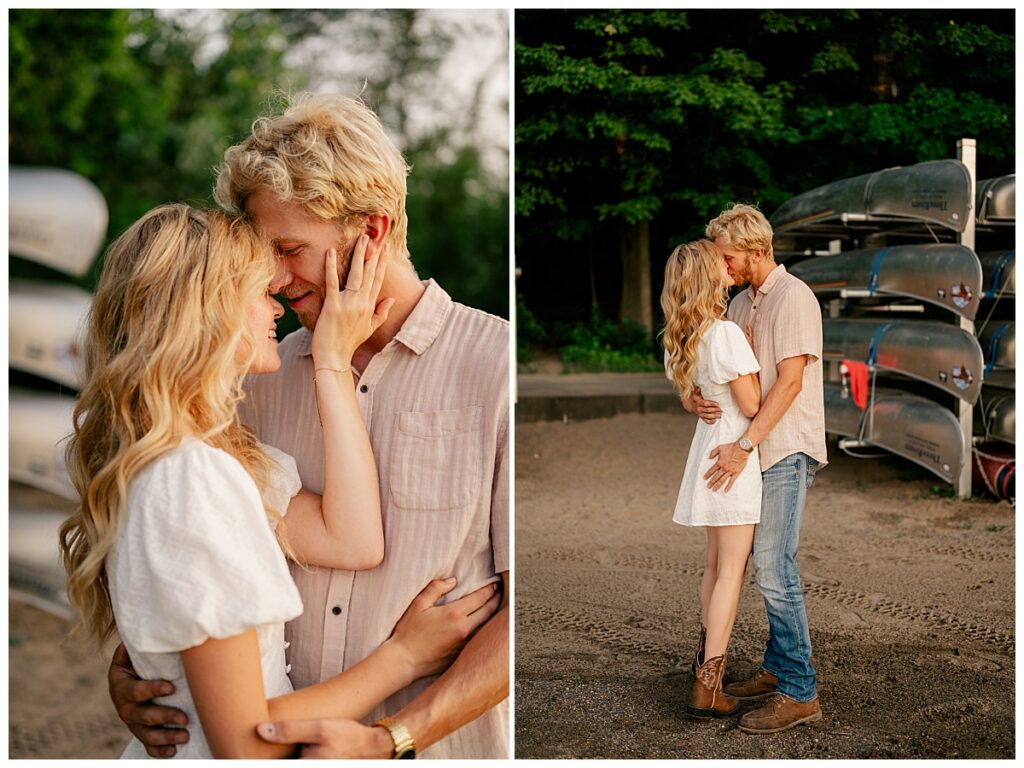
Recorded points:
(57,219)
(881,252)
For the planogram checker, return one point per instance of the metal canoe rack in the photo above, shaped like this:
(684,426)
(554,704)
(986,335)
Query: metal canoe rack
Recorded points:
(899,240)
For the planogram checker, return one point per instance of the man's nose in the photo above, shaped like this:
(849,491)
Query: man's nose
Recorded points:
(282,278)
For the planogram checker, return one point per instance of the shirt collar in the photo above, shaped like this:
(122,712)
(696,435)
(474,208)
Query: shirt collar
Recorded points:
(420,328)
(424,323)
(769,282)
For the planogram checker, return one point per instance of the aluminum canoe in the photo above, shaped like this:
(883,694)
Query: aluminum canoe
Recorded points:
(943,274)
(39,424)
(57,218)
(46,330)
(995,415)
(999,275)
(999,343)
(996,201)
(932,193)
(913,427)
(940,354)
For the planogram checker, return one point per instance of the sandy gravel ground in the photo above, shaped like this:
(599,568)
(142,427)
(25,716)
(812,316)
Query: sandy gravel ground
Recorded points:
(58,702)
(910,599)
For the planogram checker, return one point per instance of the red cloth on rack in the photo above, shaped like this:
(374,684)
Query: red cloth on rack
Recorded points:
(858,373)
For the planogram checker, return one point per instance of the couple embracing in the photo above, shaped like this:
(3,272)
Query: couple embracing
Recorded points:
(751,370)
(302,543)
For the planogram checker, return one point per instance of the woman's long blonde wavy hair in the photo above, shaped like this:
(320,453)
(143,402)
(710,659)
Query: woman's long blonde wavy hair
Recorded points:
(167,347)
(694,296)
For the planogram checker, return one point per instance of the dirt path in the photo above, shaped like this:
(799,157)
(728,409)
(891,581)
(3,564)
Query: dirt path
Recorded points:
(58,691)
(910,600)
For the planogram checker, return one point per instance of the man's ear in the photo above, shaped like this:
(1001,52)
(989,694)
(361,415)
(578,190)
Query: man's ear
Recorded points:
(377,227)
(759,254)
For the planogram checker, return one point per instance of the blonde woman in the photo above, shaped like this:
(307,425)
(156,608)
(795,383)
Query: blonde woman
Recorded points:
(180,539)
(705,351)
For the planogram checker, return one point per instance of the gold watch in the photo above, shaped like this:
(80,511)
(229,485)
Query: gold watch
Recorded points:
(405,748)
(746,445)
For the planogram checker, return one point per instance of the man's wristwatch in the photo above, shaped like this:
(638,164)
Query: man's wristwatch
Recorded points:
(405,748)
(745,444)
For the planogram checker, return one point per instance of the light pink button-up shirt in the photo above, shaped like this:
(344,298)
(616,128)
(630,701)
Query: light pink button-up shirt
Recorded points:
(784,320)
(435,402)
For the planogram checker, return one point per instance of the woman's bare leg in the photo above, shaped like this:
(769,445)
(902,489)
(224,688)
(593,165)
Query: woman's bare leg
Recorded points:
(707,582)
(733,544)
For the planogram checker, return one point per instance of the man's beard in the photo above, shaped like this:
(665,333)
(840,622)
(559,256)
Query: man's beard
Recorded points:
(308,319)
(744,276)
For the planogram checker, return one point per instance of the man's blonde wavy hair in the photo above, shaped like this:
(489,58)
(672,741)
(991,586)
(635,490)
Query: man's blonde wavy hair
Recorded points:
(694,296)
(744,227)
(329,154)
(167,346)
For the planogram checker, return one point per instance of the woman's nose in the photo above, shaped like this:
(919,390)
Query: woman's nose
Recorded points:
(282,278)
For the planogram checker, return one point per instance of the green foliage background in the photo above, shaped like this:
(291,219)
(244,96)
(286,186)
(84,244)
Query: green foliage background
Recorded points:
(668,116)
(143,104)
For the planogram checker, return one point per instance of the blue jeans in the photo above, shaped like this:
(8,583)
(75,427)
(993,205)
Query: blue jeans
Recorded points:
(776,540)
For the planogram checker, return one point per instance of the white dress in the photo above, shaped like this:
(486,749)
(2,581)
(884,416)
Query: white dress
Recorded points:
(723,354)
(195,557)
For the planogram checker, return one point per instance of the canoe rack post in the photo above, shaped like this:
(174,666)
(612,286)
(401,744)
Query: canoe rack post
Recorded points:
(967,153)
(834,307)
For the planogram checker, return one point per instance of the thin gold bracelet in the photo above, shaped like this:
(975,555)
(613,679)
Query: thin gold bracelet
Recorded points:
(334,370)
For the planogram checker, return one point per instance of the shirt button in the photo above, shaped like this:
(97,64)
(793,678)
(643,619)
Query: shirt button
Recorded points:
(363,388)
(336,610)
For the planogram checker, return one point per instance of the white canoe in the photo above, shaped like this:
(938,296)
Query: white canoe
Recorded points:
(47,323)
(57,218)
(39,424)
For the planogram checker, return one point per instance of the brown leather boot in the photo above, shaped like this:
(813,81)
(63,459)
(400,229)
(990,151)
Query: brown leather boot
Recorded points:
(780,714)
(762,684)
(707,699)
(698,657)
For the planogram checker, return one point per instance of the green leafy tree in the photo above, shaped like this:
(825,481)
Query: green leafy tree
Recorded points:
(145,102)
(119,97)
(633,128)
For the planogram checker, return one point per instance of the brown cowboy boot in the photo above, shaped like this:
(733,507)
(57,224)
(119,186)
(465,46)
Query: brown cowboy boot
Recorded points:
(762,684)
(707,699)
(698,657)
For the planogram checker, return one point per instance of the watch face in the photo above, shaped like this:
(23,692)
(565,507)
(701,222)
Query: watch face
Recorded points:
(746,445)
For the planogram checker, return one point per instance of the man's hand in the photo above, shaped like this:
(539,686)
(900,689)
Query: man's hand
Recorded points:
(147,721)
(707,410)
(731,461)
(334,738)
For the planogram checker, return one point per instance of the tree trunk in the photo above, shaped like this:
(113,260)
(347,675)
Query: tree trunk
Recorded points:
(636,275)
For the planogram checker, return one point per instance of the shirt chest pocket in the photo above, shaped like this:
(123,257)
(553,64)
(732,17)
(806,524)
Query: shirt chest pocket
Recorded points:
(436,460)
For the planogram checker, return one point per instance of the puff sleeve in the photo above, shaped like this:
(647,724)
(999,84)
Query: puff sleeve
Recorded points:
(194,557)
(729,353)
(284,481)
